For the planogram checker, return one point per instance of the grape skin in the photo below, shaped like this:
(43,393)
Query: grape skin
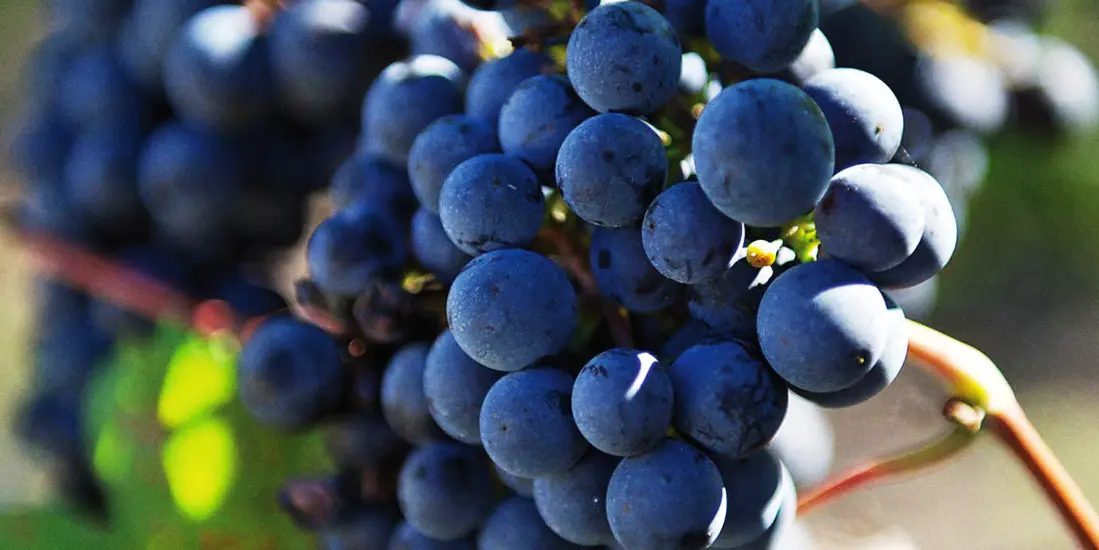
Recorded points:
(509,308)
(455,387)
(685,238)
(573,504)
(289,373)
(624,273)
(743,145)
(516,524)
(404,404)
(527,426)
(670,498)
(492,84)
(366,177)
(622,402)
(754,487)
(822,326)
(350,250)
(491,202)
(537,118)
(865,117)
(727,400)
(869,218)
(624,57)
(729,304)
(445,490)
(737,32)
(522,486)
(441,147)
(610,168)
(362,528)
(406,537)
(433,249)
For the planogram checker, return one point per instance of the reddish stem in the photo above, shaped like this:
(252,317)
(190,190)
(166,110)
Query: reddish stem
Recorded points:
(1015,430)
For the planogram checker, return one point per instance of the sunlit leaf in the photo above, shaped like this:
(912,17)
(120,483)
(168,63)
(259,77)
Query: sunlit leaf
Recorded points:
(201,377)
(200,463)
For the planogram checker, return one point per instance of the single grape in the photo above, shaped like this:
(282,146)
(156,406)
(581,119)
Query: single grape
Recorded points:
(441,147)
(624,273)
(729,304)
(761,35)
(433,249)
(218,72)
(624,57)
(754,488)
(516,524)
(491,202)
(869,217)
(364,177)
(537,118)
(686,238)
(622,402)
(573,504)
(670,498)
(492,84)
(822,326)
(727,400)
(881,375)
(406,537)
(95,91)
(101,177)
(509,308)
(527,426)
(455,387)
(940,233)
(289,373)
(743,145)
(403,401)
(362,528)
(782,534)
(865,117)
(352,249)
(407,97)
(610,168)
(445,490)
(148,33)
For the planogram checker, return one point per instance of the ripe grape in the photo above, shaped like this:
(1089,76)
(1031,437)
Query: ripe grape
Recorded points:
(406,537)
(537,117)
(516,524)
(622,402)
(350,250)
(735,29)
(492,83)
(624,273)
(364,177)
(433,249)
(686,238)
(363,528)
(754,487)
(865,117)
(403,399)
(573,504)
(445,490)
(441,147)
(491,202)
(455,387)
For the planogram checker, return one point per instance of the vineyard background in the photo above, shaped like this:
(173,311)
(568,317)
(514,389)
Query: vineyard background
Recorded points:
(1024,288)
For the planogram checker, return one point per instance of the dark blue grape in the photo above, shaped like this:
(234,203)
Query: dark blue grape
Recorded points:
(881,375)
(217,72)
(516,524)
(101,175)
(509,308)
(406,537)
(727,400)
(41,148)
(363,440)
(691,334)
(864,115)
(729,304)
(753,489)
(622,402)
(368,178)
(940,233)
(96,91)
(434,249)
(743,146)
(407,97)
(492,84)
(445,490)
(362,528)
(624,273)
(522,486)
(610,168)
(624,57)
(686,238)
(781,535)
(404,404)
(491,202)
(149,32)
(289,373)
(870,218)
(670,498)
(321,57)
(537,118)
(822,326)
(441,147)
(687,17)
(573,504)
(527,426)
(455,387)
(451,30)
(351,250)
(761,35)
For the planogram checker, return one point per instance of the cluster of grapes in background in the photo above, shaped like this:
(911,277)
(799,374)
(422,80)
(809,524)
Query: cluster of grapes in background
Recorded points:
(586,287)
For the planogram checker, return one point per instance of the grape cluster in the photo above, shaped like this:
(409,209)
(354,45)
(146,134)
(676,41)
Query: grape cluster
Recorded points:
(588,287)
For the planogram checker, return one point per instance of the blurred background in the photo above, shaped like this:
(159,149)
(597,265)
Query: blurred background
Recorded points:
(1023,287)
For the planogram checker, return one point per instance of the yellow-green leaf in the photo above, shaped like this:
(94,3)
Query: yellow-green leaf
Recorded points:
(200,464)
(201,378)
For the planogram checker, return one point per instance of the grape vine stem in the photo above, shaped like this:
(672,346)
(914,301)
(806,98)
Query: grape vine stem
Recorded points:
(982,397)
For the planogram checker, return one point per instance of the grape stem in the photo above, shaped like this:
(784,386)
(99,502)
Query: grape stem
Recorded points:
(981,396)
